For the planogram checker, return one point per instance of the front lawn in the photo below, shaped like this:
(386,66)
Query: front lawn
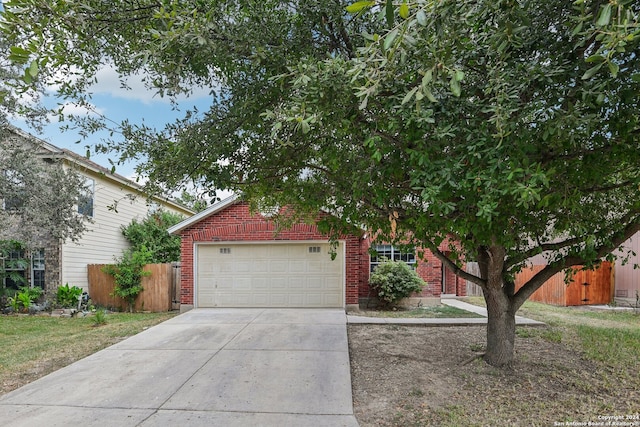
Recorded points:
(33,346)
(437,311)
(582,367)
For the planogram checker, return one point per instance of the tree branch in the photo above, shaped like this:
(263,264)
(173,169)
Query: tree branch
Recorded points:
(572,260)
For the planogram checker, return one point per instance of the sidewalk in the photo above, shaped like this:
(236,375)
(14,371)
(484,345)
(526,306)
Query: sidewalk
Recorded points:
(452,302)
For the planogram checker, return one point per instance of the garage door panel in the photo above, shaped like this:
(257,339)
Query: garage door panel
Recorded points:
(297,266)
(315,283)
(268,275)
(318,267)
(278,284)
(260,266)
(279,266)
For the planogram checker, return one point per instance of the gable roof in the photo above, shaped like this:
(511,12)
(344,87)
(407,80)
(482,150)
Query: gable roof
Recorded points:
(211,210)
(47,150)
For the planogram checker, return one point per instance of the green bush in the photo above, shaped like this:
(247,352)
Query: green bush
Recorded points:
(151,233)
(128,274)
(394,280)
(68,296)
(23,299)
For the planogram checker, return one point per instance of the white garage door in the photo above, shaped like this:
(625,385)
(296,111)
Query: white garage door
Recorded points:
(269,275)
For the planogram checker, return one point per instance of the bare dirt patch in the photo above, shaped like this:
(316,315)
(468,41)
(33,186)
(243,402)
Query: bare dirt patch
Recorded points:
(417,376)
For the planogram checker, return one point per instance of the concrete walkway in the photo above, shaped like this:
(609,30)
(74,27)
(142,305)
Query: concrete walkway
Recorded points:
(361,320)
(207,367)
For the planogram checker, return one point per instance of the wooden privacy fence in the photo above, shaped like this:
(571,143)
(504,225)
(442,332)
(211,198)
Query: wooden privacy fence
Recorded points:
(587,287)
(161,288)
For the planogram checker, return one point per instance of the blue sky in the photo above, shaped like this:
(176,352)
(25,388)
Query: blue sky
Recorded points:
(138,105)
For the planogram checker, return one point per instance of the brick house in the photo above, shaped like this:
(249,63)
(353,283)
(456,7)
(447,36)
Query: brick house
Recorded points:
(233,258)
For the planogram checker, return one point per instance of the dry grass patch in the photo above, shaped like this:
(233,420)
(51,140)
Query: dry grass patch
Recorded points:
(436,311)
(33,346)
(584,366)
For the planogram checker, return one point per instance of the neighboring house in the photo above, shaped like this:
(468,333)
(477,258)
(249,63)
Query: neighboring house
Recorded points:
(233,258)
(111,202)
(627,274)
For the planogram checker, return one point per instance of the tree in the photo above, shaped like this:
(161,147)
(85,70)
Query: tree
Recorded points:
(39,196)
(194,202)
(507,127)
(151,233)
(15,103)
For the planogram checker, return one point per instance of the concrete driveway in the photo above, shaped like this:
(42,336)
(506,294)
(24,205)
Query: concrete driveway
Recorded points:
(206,367)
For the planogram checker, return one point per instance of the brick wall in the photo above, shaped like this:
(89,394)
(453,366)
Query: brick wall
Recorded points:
(430,269)
(236,223)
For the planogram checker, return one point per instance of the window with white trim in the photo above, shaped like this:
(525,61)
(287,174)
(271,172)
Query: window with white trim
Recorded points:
(85,199)
(37,268)
(390,252)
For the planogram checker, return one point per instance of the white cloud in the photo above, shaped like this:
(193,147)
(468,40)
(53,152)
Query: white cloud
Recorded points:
(73,109)
(109,83)
(134,88)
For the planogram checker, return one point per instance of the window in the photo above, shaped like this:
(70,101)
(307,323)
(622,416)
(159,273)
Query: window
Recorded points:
(225,250)
(37,268)
(389,252)
(85,199)
(15,267)
(16,193)
(314,249)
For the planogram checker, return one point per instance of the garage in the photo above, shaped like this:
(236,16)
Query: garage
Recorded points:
(269,274)
(232,256)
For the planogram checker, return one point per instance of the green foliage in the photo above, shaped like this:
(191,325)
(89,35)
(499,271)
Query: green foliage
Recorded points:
(24,298)
(14,303)
(151,233)
(507,128)
(10,263)
(99,317)
(128,274)
(42,195)
(68,296)
(394,280)
(194,203)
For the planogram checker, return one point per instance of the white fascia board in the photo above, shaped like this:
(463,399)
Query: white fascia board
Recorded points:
(176,229)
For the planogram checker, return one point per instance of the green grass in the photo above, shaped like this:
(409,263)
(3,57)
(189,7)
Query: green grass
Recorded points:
(615,346)
(438,311)
(611,336)
(32,346)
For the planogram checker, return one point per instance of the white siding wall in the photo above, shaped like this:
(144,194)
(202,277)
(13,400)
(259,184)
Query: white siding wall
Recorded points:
(104,240)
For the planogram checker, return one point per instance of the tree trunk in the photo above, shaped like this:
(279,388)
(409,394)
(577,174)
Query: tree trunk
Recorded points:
(501,322)
(501,328)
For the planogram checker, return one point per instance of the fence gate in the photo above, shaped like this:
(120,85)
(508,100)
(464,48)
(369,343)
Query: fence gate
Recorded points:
(175,285)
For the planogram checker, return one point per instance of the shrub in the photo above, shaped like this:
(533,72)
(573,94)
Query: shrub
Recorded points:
(394,280)
(68,296)
(100,317)
(23,299)
(128,274)
(151,233)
